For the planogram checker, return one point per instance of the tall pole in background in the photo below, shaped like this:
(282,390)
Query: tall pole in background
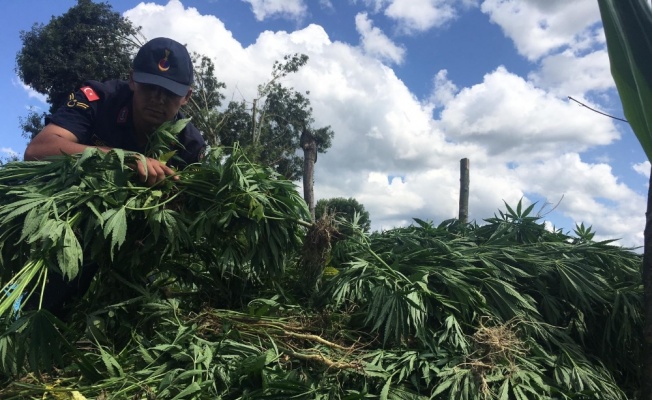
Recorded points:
(464,190)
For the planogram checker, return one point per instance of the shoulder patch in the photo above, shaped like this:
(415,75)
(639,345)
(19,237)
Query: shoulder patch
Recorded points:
(90,93)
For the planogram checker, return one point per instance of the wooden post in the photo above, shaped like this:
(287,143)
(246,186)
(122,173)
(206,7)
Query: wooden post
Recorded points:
(464,190)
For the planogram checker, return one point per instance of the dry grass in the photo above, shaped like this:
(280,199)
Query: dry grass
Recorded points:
(498,343)
(496,346)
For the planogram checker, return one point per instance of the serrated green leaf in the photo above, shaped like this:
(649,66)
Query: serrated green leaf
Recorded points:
(96,212)
(111,364)
(115,227)
(69,253)
(54,231)
(385,390)
(165,157)
(443,386)
(188,391)
(120,154)
(22,206)
(88,153)
(504,390)
(32,224)
(628,29)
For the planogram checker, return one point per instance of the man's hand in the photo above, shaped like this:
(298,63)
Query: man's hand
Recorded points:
(152,171)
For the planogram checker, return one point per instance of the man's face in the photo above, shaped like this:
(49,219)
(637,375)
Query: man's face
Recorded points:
(153,105)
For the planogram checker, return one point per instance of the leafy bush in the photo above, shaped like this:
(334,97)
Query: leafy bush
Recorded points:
(199,294)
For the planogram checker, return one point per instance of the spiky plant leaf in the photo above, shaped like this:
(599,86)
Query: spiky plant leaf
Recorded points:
(628,29)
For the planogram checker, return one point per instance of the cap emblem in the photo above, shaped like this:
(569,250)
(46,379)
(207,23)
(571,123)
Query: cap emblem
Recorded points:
(164,64)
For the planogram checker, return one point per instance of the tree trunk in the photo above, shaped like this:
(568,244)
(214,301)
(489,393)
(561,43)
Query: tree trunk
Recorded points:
(646,379)
(309,146)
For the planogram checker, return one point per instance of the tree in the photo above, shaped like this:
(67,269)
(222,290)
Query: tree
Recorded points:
(236,120)
(278,118)
(32,124)
(628,30)
(206,100)
(285,125)
(89,41)
(344,208)
(271,129)
(276,127)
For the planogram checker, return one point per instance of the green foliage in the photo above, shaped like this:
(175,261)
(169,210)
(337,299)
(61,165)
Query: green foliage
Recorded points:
(32,124)
(89,41)
(270,129)
(509,309)
(200,297)
(87,206)
(627,27)
(345,209)
(206,100)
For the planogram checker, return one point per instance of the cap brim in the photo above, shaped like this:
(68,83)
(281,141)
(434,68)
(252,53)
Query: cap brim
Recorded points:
(175,87)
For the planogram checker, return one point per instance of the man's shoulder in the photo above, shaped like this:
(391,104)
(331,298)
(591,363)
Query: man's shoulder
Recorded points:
(192,141)
(192,130)
(193,136)
(106,90)
(189,129)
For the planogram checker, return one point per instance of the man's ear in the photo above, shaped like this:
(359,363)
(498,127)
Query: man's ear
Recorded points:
(186,98)
(131,80)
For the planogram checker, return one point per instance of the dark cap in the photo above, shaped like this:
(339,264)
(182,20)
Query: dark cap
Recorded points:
(166,63)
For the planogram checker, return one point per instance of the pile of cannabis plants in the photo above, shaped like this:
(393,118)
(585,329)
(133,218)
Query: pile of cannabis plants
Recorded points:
(506,310)
(213,287)
(219,226)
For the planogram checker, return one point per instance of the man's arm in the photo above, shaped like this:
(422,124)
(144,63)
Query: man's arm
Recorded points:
(54,140)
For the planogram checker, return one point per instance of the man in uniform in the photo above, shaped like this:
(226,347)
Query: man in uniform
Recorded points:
(122,114)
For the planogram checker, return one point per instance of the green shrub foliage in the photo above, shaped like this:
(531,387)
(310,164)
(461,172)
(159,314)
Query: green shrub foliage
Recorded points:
(198,295)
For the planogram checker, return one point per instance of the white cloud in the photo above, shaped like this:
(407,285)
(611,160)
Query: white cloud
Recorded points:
(591,194)
(9,152)
(515,120)
(375,5)
(444,90)
(375,43)
(291,9)
(413,16)
(31,93)
(538,27)
(642,168)
(522,141)
(567,74)
(327,4)
(421,15)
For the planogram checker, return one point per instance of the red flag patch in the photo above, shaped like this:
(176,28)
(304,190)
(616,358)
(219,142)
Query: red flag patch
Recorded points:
(90,93)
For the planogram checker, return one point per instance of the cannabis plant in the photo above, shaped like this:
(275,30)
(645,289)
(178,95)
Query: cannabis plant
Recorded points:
(212,286)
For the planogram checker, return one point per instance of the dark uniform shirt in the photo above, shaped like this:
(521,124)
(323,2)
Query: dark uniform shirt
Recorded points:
(100,114)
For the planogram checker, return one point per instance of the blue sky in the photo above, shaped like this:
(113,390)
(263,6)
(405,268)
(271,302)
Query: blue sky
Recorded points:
(410,87)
